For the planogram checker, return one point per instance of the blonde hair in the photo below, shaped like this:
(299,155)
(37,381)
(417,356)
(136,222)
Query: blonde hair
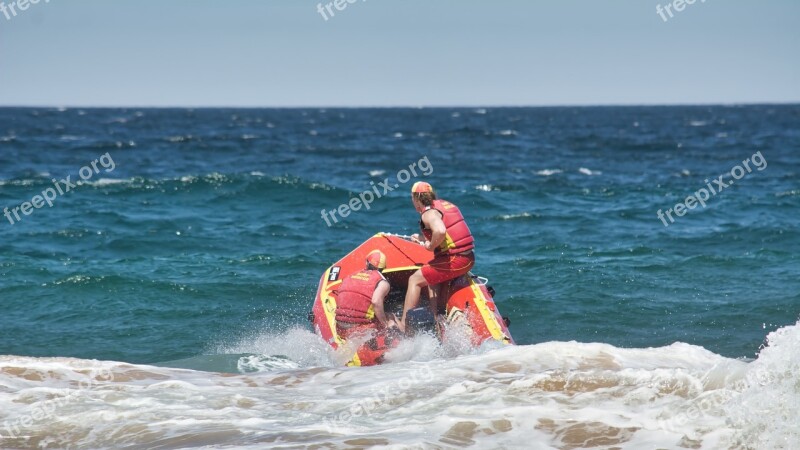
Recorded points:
(426,198)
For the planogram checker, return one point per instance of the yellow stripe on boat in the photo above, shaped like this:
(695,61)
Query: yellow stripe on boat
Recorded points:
(329,305)
(355,362)
(488,315)
(400,269)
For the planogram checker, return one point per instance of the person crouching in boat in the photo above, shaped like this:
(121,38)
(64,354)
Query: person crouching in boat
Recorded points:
(359,304)
(446,234)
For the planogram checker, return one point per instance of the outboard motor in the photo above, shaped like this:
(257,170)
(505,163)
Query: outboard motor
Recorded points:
(420,320)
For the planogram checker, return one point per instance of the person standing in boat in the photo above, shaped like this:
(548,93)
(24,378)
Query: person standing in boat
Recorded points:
(359,304)
(445,233)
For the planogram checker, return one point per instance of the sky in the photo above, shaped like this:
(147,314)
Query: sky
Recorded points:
(284,53)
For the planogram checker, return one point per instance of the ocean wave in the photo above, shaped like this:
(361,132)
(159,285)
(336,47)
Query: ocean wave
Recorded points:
(213,178)
(108,182)
(524,215)
(548,172)
(181,138)
(589,172)
(556,394)
(46,178)
(78,279)
(770,386)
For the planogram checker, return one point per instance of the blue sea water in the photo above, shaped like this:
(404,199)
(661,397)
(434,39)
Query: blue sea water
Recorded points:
(202,248)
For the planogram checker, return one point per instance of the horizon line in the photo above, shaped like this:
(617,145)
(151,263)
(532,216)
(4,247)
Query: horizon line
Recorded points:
(455,106)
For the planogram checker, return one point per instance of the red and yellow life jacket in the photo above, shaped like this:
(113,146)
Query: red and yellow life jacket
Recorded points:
(458,238)
(354,301)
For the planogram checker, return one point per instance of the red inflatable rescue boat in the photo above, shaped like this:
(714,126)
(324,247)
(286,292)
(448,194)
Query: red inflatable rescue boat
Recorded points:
(469,302)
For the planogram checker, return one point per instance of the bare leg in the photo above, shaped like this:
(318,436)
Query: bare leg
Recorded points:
(444,296)
(433,296)
(415,284)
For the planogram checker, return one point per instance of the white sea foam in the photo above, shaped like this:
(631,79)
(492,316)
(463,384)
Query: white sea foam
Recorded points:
(109,181)
(589,172)
(766,411)
(524,215)
(70,138)
(297,344)
(548,172)
(547,396)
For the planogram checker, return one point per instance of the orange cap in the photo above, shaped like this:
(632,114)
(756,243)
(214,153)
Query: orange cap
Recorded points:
(421,187)
(377,259)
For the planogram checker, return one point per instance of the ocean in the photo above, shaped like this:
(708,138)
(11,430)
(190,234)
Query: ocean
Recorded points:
(162,301)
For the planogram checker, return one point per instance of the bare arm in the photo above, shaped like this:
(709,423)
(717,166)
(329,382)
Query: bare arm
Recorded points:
(433,219)
(381,291)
